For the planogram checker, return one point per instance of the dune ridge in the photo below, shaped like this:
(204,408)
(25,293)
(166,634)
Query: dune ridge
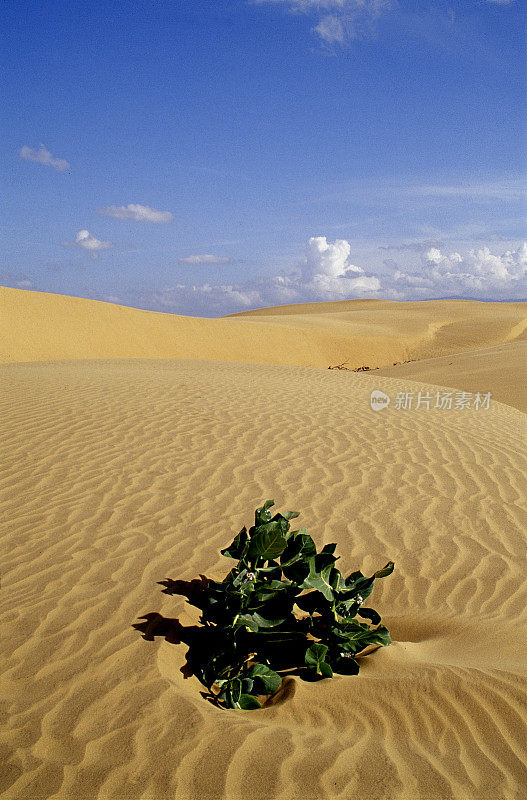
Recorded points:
(120,473)
(36,326)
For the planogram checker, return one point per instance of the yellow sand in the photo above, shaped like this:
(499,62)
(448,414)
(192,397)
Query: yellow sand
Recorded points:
(119,473)
(501,370)
(35,326)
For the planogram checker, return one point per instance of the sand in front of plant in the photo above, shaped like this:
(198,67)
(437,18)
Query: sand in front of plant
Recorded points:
(120,473)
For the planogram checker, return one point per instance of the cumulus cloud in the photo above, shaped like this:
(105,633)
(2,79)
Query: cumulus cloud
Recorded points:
(339,20)
(327,272)
(205,258)
(88,242)
(137,212)
(480,274)
(43,156)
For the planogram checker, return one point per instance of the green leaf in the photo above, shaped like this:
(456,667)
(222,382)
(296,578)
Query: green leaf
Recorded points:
(248,702)
(236,549)
(282,521)
(263,622)
(353,578)
(346,666)
(292,552)
(311,602)
(236,689)
(265,677)
(337,581)
(315,655)
(291,514)
(362,586)
(319,580)
(387,570)
(240,578)
(325,670)
(272,571)
(269,636)
(267,544)
(381,635)
(247,621)
(297,572)
(323,560)
(262,514)
(371,614)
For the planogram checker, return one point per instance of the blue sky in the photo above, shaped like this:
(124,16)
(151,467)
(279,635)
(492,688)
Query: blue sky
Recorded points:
(204,157)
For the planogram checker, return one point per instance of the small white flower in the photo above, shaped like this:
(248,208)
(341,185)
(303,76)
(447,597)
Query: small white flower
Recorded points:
(359,599)
(251,576)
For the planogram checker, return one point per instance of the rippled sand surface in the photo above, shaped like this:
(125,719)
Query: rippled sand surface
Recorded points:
(117,474)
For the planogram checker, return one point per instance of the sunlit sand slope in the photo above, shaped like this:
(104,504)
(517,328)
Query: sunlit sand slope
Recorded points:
(119,474)
(35,326)
(501,370)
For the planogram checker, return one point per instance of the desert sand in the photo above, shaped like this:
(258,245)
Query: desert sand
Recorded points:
(134,445)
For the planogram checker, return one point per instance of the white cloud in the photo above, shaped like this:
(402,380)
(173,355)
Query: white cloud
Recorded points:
(341,19)
(480,274)
(511,189)
(326,273)
(43,156)
(331,29)
(205,258)
(137,212)
(88,242)
(205,299)
(25,284)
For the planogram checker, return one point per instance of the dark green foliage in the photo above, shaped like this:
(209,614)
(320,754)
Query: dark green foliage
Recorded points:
(250,615)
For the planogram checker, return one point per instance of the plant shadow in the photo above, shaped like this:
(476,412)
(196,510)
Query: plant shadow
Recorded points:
(201,639)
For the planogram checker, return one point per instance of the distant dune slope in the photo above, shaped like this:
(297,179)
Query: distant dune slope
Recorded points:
(117,474)
(35,326)
(501,370)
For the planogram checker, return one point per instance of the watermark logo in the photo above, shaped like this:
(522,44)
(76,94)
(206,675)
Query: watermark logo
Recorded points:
(409,401)
(379,400)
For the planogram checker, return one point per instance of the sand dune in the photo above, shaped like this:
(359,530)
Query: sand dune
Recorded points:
(501,370)
(35,326)
(120,473)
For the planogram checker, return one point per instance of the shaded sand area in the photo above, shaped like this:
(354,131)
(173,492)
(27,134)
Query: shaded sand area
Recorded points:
(120,473)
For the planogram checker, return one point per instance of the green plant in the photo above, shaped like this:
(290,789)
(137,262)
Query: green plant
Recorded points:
(253,633)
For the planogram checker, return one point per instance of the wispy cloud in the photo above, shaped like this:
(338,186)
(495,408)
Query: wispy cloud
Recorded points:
(412,247)
(205,258)
(86,241)
(338,20)
(137,212)
(512,189)
(43,156)
(16,279)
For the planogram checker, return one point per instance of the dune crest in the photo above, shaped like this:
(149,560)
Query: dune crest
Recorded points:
(35,326)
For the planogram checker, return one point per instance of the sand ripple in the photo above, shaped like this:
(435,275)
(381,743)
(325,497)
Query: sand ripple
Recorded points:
(118,474)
